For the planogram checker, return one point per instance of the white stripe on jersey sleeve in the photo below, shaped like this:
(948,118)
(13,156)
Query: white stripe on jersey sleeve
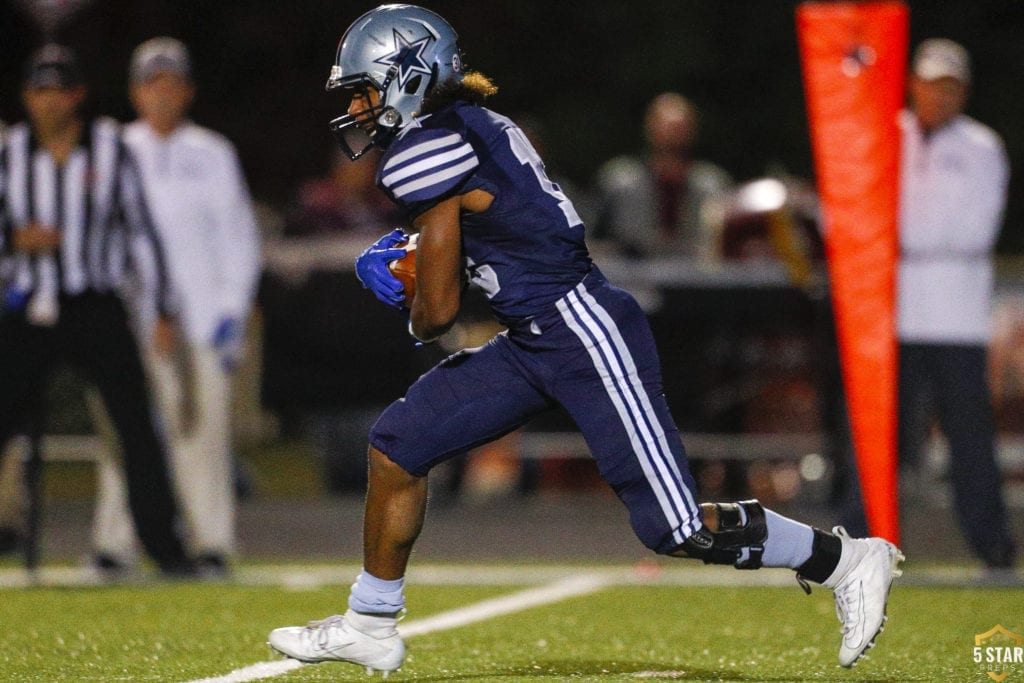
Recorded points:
(437,178)
(435,161)
(421,148)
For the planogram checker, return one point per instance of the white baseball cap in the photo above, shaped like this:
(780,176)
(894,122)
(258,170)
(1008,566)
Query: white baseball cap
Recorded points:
(942,58)
(160,55)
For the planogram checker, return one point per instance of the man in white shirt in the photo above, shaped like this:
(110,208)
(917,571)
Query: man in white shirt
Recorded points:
(203,213)
(954,180)
(953,191)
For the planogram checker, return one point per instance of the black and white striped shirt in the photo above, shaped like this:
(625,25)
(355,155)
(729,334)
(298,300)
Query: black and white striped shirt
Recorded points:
(95,199)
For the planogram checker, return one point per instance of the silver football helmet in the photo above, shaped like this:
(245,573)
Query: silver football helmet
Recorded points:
(400,52)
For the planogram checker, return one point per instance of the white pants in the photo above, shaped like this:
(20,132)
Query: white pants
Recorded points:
(12,496)
(195,409)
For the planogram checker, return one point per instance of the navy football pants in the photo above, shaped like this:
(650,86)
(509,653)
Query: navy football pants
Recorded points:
(594,354)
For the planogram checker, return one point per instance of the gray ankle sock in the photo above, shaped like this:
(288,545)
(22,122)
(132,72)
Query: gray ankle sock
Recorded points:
(789,542)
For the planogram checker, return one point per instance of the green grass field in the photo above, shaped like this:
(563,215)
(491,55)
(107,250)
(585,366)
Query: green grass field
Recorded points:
(624,631)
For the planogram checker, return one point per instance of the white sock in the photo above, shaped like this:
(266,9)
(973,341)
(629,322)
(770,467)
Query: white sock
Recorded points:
(789,543)
(376,625)
(371,595)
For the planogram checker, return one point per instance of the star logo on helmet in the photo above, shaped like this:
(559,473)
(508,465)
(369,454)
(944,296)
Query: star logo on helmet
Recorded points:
(408,57)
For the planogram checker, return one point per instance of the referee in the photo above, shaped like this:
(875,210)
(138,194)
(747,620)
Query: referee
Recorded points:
(74,223)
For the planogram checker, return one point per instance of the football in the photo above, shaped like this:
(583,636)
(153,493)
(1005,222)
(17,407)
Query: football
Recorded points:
(404,269)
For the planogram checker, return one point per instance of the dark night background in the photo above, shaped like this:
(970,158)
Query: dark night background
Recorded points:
(586,69)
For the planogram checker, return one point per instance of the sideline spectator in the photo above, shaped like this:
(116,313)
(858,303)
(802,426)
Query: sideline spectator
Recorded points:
(203,213)
(66,187)
(954,179)
(345,203)
(10,470)
(663,203)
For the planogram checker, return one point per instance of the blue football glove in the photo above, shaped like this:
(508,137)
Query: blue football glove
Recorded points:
(372,268)
(227,339)
(14,300)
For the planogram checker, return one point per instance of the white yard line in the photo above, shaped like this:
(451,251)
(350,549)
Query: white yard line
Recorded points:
(571,587)
(255,672)
(564,589)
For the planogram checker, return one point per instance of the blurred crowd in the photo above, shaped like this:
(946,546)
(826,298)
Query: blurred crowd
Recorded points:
(303,349)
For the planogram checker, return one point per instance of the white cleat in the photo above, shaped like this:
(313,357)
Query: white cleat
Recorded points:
(861,585)
(371,641)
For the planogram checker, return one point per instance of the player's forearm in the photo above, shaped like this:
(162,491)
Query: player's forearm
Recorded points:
(427,325)
(438,271)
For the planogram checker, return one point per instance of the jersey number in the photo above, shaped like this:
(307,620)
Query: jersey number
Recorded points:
(524,151)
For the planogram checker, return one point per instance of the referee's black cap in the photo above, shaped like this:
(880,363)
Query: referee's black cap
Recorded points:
(53,66)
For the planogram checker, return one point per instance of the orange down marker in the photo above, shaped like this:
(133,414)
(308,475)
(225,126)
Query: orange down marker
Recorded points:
(854,63)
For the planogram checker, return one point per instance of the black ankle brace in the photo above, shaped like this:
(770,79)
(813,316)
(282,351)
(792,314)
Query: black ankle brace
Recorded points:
(824,558)
(738,541)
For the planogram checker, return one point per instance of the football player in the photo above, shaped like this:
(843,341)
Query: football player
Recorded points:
(476,192)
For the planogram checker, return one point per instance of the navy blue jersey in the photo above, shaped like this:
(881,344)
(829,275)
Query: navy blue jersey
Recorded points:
(527,249)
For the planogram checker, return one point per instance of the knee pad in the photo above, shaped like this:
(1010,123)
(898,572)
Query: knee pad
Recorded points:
(736,542)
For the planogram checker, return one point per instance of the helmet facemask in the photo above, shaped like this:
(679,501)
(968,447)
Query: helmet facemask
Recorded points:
(357,131)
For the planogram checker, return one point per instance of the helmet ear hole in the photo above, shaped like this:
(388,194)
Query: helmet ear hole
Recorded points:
(413,85)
